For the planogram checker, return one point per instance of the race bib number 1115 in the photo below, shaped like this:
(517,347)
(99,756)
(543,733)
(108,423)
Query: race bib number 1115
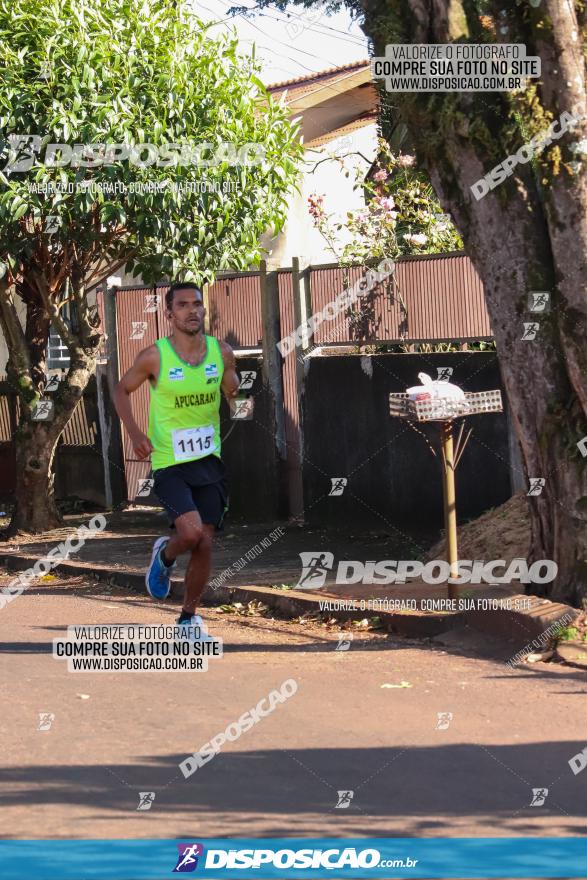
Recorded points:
(192,442)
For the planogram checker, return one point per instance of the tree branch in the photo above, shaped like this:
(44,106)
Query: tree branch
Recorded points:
(18,368)
(11,326)
(52,309)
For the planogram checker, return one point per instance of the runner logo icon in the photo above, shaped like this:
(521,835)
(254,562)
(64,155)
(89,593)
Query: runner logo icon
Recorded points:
(315,567)
(187,860)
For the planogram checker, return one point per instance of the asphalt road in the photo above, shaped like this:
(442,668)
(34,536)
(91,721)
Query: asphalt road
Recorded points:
(511,731)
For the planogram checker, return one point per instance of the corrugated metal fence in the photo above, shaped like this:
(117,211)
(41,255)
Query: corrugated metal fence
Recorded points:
(140,320)
(429,299)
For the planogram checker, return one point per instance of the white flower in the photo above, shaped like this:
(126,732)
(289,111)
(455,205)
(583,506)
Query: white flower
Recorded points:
(579,146)
(416,238)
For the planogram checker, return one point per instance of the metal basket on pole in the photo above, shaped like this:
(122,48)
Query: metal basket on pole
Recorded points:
(445,411)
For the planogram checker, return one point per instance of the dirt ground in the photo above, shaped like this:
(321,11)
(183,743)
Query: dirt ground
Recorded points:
(500,533)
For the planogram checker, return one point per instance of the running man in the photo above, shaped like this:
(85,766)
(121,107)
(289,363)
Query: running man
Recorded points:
(186,372)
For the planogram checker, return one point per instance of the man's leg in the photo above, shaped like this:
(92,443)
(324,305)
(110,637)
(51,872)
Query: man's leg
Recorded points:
(195,537)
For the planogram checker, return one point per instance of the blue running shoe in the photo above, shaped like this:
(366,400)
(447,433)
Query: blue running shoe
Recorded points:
(158,577)
(195,620)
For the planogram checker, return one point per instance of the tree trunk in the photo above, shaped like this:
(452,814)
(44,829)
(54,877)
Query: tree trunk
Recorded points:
(548,415)
(36,443)
(530,233)
(511,239)
(546,411)
(35,509)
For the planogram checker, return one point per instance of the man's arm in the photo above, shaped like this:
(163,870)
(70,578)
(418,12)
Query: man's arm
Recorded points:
(230,380)
(146,366)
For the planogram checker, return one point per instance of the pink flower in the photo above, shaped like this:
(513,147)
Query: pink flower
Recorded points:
(406,161)
(315,207)
(380,175)
(386,203)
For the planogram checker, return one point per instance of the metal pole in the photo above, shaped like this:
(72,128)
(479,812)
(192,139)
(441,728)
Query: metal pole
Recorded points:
(306,303)
(104,433)
(450,507)
(300,315)
(206,298)
(113,437)
(272,373)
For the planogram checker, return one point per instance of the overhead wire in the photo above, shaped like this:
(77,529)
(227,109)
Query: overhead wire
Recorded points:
(290,57)
(271,37)
(347,38)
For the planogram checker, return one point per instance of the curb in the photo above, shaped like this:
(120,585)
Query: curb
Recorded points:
(521,626)
(290,603)
(572,653)
(518,626)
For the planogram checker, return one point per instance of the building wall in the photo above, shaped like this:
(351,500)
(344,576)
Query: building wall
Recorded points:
(299,237)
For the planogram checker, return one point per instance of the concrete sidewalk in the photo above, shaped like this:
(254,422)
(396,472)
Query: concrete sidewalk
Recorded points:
(120,554)
(126,543)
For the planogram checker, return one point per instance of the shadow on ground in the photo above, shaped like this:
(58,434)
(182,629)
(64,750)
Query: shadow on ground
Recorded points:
(461,642)
(419,782)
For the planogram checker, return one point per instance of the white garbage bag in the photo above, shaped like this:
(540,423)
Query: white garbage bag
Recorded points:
(439,398)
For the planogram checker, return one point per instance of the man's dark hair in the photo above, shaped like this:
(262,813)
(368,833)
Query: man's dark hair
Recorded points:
(181,285)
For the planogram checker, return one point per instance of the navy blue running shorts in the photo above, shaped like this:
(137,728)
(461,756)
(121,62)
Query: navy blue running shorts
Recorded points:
(194,485)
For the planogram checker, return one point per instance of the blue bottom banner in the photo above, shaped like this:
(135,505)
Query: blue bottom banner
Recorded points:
(389,858)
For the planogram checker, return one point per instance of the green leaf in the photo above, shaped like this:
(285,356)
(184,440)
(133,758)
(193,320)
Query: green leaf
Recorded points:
(124,73)
(20,212)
